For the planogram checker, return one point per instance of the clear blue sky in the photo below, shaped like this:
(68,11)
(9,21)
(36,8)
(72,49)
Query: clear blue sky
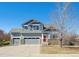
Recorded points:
(12,15)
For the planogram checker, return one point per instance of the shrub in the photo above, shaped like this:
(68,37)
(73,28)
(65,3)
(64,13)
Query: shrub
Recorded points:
(71,43)
(6,43)
(1,42)
(49,43)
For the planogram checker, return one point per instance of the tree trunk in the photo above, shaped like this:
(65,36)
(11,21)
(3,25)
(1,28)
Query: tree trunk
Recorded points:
(61,42)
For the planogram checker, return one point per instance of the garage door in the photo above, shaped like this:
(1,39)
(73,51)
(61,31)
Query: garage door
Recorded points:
(16,41)
(32,40)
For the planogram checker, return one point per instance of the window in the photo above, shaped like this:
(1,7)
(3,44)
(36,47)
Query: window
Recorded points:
(16,38)
(26,27)
(55,36)
(32,38)
(35,27)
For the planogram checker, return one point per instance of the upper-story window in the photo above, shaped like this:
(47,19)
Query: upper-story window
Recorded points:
(25,26)
(35,27)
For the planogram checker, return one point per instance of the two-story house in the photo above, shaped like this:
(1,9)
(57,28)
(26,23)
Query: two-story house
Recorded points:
(33,32)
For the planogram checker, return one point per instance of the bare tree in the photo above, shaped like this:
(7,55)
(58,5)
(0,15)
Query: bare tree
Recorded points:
(62,16)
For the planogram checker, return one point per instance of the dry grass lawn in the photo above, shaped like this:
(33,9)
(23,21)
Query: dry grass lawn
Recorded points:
(56,49)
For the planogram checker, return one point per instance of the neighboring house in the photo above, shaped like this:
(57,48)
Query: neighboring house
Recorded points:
(32,32)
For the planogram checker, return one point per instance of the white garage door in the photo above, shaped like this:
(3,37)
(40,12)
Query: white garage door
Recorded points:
(16,41)
(32,40)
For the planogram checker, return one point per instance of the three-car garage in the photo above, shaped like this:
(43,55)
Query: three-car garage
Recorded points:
(27,39)
(18,41)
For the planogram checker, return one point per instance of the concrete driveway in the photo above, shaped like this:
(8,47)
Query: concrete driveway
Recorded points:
(20,51)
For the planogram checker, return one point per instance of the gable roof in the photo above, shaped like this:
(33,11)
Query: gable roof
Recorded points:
(32,21)
(50,27)
(18,30)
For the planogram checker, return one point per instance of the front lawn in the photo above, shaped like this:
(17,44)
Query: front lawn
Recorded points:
(56,49)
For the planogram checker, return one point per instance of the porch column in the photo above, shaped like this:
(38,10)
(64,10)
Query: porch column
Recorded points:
(11,40)
(42,38)
(49,36)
